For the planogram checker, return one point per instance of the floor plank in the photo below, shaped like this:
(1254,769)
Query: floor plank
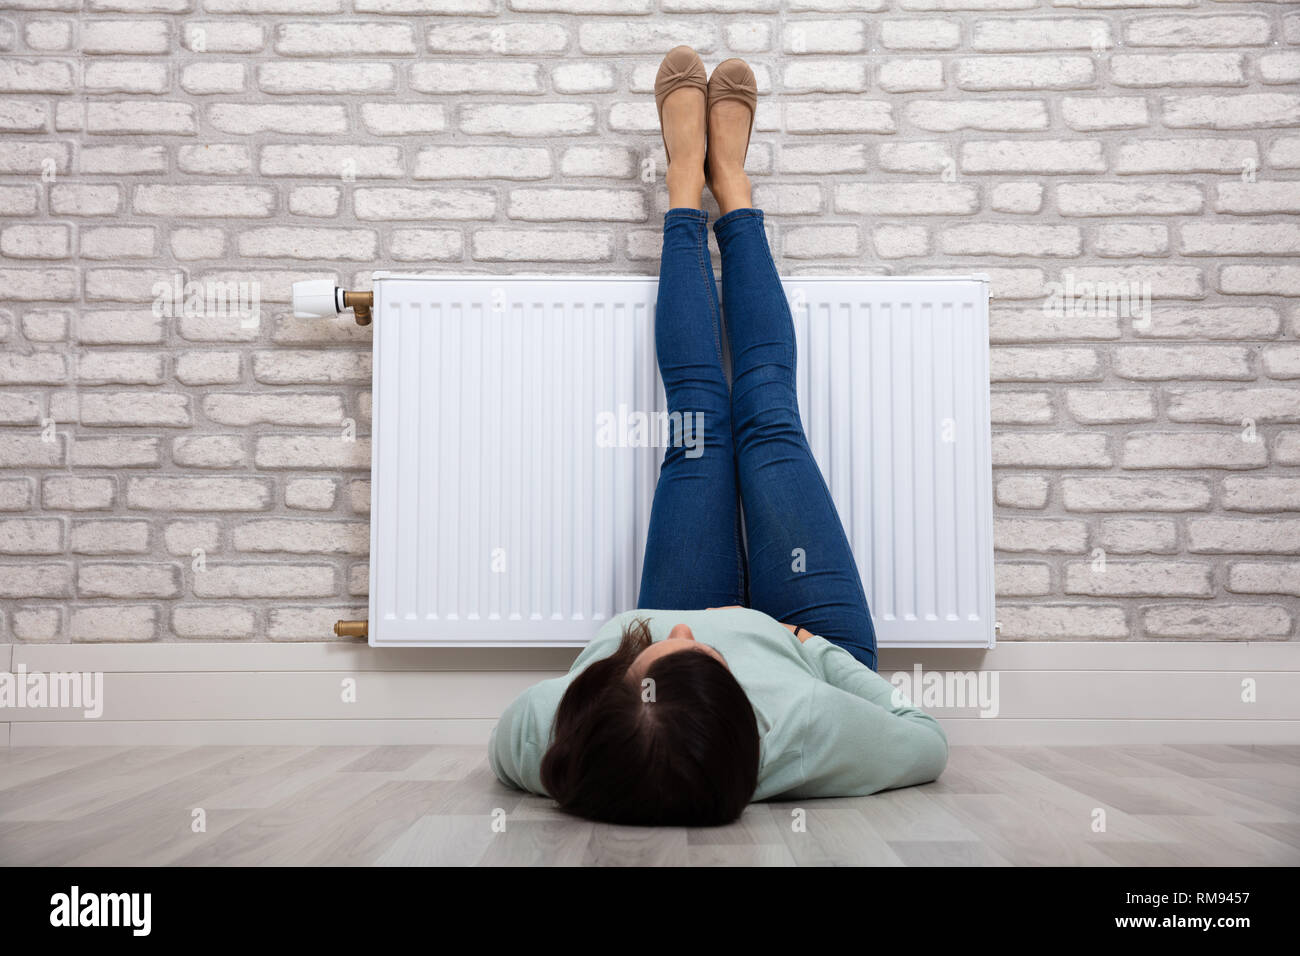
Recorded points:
(441,805)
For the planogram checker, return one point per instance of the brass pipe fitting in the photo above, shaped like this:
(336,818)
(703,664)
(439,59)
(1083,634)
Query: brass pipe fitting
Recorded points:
(360,303)
(350,628)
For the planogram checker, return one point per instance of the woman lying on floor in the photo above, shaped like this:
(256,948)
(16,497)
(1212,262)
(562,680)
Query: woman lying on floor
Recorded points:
(684,711)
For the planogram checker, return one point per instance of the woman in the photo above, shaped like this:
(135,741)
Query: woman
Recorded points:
(684,711)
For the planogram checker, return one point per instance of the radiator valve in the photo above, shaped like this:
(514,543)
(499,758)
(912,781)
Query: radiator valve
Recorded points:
(350,628)
(322,299)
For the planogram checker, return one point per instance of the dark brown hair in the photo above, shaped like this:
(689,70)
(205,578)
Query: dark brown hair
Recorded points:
(686,757)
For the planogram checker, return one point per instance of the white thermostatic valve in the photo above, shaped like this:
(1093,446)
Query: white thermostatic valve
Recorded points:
(316,299)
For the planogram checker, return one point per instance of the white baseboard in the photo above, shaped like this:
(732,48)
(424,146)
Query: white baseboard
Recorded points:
(1069,692)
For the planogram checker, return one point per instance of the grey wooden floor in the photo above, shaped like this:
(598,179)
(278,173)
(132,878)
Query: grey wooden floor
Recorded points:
(1184,805)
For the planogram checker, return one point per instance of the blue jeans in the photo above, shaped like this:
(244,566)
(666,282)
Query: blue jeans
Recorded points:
(747,446)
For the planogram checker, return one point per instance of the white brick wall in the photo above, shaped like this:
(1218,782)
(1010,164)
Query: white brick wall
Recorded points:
(204,475)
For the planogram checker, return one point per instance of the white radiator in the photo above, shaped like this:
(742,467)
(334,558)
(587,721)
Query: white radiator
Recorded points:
(505,510)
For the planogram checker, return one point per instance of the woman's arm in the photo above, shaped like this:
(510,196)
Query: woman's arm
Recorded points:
(863,736)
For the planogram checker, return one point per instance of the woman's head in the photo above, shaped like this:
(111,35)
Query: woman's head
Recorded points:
(659,733)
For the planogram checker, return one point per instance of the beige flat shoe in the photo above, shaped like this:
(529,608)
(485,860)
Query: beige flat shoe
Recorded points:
(681,67)
(733,80)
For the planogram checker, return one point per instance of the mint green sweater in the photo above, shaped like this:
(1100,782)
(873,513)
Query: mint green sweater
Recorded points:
(829,726)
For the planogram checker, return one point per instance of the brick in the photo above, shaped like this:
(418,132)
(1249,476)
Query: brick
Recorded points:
(1264,577)
(198,494)
(120,368)
(207,79)
(1238,111)
(344,39)
(203,201)
(1139,536)
(443,77)
(1264,494)
(1199,322)
(123,160)
(1087,114)
(1260,280)
(554,205)
(1043,365)
(1184,156)
(141,117)
(606,162)
(30,241)
(584,78)
(311,451)
(265,581)
(102,537)
(231,36)
(426,245)
(361,162)
(209,451)
(276,408)
(125,76)
(303,119)
(534,245)
(820,242)
(136,408)
(825,76)
(1228,31)
(187,537)
(1061,622)
(115,623)
(1010,239)
(111,242)
(1021,491)
(1017,197)
(1021,408)
(128,581)
(285,242)
(1258,197)
(928,34)
(189,244)
(1178,69)
(1025,73)
(311,368)
(1040,535)
(1139,579)
(322,79)
(839,116)
(547,119)
(748,37)
(1059,33)
(33,535)
(1110,406)
(893,242)
(311,494)
(1051,450)
(1037,156)
(399,203)
(213,621)
(1220,622)
(37,623)
(299,536)
(906,199)
(116,452)
(401,119)
(1154,362)
(946,116)
(1191,450)
(502,39)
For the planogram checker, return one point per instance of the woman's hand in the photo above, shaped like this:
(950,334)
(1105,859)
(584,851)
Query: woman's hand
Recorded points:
(801,633)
